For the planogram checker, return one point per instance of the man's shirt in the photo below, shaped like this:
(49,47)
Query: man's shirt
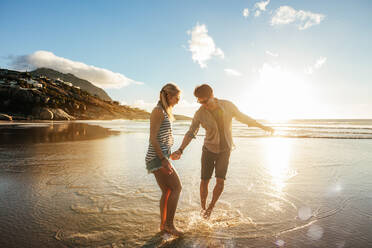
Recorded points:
(212,140)
(218,116)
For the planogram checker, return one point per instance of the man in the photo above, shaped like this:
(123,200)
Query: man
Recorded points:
(215,116)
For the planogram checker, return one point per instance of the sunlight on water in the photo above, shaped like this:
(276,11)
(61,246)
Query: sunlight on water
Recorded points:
(277,158)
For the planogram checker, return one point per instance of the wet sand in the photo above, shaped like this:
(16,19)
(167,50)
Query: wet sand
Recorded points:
(61,186)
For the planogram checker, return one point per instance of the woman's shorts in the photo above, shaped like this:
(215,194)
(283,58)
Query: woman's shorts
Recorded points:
(155,164)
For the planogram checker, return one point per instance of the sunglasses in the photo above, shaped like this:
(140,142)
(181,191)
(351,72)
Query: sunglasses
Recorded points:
(204,102)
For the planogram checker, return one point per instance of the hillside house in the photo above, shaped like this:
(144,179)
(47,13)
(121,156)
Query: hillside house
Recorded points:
(34,83)
(68,83)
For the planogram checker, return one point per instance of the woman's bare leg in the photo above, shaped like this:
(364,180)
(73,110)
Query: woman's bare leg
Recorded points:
(170,186)
(161,180)
(174,184)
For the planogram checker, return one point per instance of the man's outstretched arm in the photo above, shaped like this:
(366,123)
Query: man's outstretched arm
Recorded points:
(239,116)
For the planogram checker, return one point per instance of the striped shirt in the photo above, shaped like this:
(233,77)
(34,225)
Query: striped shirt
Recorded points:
(164,137)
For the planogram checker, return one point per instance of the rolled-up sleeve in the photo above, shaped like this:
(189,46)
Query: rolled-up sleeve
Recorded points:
(243,118)
(194,128)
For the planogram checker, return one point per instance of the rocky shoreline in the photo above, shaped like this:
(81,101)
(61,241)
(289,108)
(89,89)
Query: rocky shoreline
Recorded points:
(27,97)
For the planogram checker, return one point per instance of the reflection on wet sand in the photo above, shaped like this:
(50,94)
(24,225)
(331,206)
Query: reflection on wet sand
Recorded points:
(89,191)
(53,132)
(277,161)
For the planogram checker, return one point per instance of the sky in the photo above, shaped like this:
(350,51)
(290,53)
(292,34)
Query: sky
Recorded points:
(275,59)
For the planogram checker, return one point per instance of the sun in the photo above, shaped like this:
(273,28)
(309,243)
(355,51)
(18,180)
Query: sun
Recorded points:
(281,94)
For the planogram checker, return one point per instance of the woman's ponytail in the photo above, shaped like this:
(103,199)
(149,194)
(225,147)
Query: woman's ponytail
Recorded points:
(170,89)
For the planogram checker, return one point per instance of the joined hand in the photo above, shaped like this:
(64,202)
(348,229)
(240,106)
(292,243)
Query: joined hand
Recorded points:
(176,155)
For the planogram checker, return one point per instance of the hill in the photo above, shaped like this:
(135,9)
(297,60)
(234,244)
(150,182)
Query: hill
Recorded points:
(83,84)
(31,96)
(44,94)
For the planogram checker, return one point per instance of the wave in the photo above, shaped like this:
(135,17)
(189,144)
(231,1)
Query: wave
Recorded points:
(304,136)
(315,129)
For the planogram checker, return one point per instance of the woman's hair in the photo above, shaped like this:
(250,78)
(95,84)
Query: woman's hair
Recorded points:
(203,90)
(170,89)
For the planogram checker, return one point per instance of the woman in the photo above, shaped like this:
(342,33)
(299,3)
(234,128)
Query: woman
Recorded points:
(161,140)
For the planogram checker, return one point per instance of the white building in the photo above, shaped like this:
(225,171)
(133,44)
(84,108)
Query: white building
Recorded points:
(34,83)
(38,85)
(68,83)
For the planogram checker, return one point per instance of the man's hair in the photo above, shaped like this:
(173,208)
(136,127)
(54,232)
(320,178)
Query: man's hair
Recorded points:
(203,90)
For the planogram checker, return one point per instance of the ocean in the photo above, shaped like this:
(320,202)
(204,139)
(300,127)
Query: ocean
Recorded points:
(84,184)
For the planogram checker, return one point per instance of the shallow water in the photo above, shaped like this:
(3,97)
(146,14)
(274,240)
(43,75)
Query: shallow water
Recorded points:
(84,184)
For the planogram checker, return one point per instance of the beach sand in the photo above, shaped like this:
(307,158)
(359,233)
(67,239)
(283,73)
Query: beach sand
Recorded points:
(85,184)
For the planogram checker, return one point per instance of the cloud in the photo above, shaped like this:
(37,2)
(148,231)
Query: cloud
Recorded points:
(141,104)
(98,76)
(270,72)
(245,13)
(202,46)
(232,72)
(184,107)
(318,64)
(123,102)
(260,7)
(303,19)
(272,54)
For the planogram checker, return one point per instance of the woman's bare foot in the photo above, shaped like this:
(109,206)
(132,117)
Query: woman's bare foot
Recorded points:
(172,230)
(202,203)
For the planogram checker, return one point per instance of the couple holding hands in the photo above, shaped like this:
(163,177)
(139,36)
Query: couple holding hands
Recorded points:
(215,116)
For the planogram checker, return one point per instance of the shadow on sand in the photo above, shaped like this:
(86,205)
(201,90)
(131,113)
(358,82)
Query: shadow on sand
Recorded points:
(29,133)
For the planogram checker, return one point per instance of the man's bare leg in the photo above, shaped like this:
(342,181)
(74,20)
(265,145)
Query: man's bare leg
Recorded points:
(217,191)
(203,192)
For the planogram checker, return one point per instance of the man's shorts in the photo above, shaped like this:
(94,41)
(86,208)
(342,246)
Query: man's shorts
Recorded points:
(211,161)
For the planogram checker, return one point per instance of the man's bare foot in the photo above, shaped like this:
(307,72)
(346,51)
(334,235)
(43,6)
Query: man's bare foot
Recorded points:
(207,213)
(172,230)
(202,211)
